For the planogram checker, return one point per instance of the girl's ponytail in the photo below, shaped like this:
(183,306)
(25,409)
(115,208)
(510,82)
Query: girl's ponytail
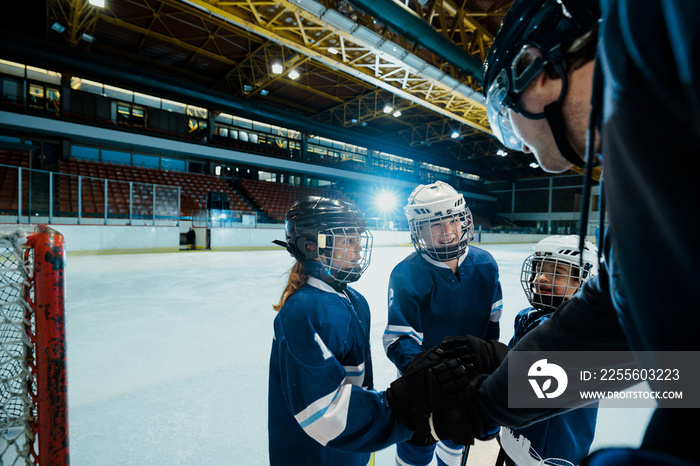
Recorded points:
(297,277)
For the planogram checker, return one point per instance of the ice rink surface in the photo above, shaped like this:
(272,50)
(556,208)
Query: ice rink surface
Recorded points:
(168,354)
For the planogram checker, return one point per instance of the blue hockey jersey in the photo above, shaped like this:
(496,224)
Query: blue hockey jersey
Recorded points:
(428,302)
(323,409)
(564,439)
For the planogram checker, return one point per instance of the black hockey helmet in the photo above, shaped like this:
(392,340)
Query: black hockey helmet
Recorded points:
(312,226)
(554,28)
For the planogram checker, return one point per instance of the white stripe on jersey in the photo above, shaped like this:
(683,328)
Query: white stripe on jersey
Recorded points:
(521,450)
(326,418)
(496,311)
(355,374)
(449,456)
(392,333)
(324,349)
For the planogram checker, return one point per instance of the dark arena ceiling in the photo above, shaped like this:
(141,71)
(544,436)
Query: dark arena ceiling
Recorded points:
(352,62)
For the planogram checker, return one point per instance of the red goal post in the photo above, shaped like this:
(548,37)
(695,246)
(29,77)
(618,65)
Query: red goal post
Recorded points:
(33,385)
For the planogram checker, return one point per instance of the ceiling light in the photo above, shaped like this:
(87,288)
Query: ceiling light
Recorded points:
(294,74)
(534,165)
(87,38)
(264,92)
(277,68)
(58,27)
(312,6)
(432,72)
(397,113)
(333,50)
(367,36)
(414,62)
(100,3)
(388,109)
(501,152)
(339,21)
(454,135)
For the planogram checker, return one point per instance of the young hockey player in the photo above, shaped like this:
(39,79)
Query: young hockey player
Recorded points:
(549,277)
(444,288)
(322,406)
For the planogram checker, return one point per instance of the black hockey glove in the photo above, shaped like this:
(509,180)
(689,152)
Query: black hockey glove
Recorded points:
(422,439)
(462,424)
(484,355)
(430,383)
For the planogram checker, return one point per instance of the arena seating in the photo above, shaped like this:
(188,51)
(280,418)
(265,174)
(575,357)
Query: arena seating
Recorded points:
(275,199)
(8,178)
(194,187)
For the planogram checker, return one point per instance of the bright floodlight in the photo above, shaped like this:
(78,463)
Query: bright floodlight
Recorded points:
(277,68)
(386,201)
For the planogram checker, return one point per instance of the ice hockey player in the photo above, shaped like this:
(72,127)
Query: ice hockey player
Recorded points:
(322,406)
(446,287)
(569,79)
(550,276)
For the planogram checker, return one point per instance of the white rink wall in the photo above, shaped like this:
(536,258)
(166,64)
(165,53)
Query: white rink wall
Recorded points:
(119,238)
(96,239)
(236,238)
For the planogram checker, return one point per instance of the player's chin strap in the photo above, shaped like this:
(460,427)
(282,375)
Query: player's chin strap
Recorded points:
(555,118)
(325,273)
(317,269)
(593,125)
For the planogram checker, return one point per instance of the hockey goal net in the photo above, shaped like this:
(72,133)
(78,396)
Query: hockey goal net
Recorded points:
(33,391)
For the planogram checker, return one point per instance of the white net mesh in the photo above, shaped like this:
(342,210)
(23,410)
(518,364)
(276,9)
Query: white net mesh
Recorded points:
(17,382)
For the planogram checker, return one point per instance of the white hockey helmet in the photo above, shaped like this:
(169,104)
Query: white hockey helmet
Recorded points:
(433,210)
(557,250)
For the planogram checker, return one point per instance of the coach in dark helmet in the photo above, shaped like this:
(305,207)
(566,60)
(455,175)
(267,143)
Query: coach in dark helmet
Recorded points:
(634,105)
(536,75)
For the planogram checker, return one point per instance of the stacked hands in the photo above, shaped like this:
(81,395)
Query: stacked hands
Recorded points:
(437,396)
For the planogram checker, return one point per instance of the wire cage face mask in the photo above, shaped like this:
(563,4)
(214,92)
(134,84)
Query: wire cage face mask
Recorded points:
(548,281)
(345,253)
(445,238)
